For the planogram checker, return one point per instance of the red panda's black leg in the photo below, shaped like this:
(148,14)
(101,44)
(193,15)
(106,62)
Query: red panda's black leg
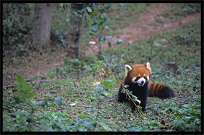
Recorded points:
(132,105)
(143,105)
(121,96)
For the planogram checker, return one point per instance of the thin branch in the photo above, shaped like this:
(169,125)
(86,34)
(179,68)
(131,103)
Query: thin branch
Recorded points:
(125,92)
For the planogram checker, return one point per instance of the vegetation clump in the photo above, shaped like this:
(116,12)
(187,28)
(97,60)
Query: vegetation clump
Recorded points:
(81,94)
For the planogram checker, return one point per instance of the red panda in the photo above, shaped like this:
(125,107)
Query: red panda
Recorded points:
(137,79)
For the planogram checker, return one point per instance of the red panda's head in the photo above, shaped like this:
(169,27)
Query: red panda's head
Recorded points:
(139,73)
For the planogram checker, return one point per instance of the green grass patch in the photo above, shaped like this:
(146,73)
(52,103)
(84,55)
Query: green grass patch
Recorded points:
(119,14)
(88,89)
(176,11)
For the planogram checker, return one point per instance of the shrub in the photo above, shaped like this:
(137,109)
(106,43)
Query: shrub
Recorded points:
(17,26)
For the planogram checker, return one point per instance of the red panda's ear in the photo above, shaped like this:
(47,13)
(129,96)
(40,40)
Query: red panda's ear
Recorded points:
(148,66)
(128,68)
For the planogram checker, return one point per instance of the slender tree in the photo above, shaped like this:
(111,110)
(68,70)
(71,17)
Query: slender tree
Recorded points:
(42,24)
(74,48)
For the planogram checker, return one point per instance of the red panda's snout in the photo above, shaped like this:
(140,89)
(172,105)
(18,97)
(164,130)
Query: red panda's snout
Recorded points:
(140,80)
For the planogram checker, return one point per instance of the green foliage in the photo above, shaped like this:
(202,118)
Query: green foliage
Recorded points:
(100,92)
(96,20)
(22,121)
(86,123)
(75,63)
(90,59)
(24,91)
(72,64)
(23,96)
(185,82)
(118,42)
(188,117)
(17,26)
(48,102)
(94,94)
(108,83)
(122,13)
(190,38)
(130,96)
(59,35)
(190,8)
(177,11)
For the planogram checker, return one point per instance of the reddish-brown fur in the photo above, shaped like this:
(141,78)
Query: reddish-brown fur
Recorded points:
(150,89)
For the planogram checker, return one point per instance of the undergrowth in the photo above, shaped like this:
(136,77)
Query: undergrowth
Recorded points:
(176,11)
(82,94)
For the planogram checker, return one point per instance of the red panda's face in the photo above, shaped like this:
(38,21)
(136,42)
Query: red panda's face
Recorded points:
(138,73)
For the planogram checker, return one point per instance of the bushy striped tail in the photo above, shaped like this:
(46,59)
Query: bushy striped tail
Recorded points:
(161,91)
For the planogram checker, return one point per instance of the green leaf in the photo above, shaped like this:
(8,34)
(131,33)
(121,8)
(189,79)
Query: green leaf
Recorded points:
(92,32)
(106,94)
(92,98)
(117,42)
(108,5)
(89,22)
(32,95)
(108,83)
(21,81)
(77,14)
(52,105)
(186,105)
(59,100)
(82,116)
(187,117)
(134,98)
(67,128)
(41,103)
(91,124)
(48,99)
(102,39)
(104,126)
(17,86)
(89,9)
(94,28)
(109,45)
(163,41)
(21,94)
(81,129)
(94,13)
(18,99)
(29,89)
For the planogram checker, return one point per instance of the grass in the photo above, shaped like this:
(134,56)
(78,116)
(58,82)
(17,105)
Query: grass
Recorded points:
(176,11)
(119,14)
(88,90)
(88,87)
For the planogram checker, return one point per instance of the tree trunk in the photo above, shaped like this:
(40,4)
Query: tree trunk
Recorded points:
(74,48)
(42,24)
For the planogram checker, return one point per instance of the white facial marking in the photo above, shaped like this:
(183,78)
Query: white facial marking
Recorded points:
(133,79)
(139,75)
(141,81)
(148,78)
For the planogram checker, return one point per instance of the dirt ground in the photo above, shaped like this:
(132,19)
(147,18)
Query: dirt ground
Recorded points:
(144,27)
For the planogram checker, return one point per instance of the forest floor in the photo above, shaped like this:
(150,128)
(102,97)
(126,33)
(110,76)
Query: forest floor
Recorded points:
(81,95)
(151,21)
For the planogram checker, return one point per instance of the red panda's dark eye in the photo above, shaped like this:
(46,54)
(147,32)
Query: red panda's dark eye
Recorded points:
(145,77)
(138,78)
